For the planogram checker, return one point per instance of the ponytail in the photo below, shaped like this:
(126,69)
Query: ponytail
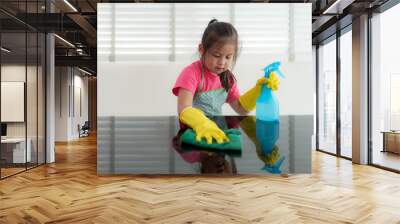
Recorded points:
(212,21)
(227,80)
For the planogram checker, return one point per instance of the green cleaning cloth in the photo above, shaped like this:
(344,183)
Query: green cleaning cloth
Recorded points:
(235,142)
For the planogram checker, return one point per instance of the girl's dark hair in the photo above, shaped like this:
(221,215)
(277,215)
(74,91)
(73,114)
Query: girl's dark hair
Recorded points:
(217,34)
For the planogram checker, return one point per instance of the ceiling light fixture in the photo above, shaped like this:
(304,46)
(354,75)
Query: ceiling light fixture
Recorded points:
(84,71)
(331,7)
(338,6)
(5,50)
(79,51)
(64,40)
(70,5)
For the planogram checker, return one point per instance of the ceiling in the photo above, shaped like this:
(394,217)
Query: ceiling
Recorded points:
(76,22)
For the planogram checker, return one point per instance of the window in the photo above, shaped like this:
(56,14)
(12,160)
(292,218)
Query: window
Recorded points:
(385,82)
(327,97)
(171,32)
(346,94)
(394,102)
(22,65)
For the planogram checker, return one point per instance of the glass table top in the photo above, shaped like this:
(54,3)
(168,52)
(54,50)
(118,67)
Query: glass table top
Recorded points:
(152,145)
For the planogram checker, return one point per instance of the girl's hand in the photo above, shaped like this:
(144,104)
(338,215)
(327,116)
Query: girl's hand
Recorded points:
(249,99)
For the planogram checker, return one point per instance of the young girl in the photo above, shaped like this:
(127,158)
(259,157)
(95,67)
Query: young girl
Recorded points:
(206,84)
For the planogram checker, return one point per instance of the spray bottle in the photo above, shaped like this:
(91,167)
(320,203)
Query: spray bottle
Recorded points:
(267,133)
(267,107)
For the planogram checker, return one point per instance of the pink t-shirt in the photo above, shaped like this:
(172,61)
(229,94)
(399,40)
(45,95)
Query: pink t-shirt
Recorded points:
(190,79)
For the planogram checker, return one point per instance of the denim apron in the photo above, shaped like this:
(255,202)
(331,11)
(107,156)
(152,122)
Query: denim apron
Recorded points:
(210,102)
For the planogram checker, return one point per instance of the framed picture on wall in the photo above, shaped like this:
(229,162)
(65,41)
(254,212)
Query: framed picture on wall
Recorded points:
(12,101)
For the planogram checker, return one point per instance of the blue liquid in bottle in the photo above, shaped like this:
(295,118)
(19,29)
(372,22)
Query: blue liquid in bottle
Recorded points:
(267,107)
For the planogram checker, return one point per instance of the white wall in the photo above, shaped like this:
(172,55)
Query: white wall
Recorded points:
(61,103)
(12,73)
(130,85)
(145,89)
(67,85)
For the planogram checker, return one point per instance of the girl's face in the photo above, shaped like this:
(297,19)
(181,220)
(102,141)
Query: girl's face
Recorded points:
(218,60)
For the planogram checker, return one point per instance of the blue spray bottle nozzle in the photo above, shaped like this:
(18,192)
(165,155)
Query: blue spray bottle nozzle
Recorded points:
(273,67)
(267,107)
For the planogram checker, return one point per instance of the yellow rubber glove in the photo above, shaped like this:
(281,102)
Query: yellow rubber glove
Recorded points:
(270,158)
(248,125)
(249,99)
(202,126)
(273,82)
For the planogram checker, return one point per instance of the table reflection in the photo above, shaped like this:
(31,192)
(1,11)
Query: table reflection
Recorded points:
(263,134)
(152,145)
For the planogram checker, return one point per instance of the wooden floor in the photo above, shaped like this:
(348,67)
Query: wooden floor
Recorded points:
(387,159)
(70,191)
(10,171)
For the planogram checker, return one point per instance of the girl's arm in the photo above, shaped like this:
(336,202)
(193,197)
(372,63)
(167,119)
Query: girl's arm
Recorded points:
(195,118)
(238,108)
(185,99)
